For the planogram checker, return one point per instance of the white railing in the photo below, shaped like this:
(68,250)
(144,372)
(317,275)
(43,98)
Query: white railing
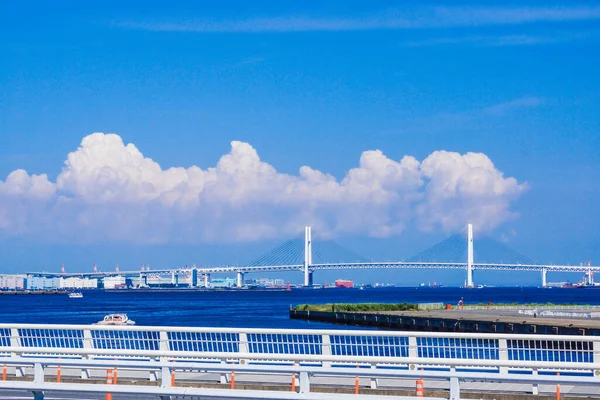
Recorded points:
(531,307)
(450,356)
(430,306)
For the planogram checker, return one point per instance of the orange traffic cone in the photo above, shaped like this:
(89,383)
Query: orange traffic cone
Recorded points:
(420,388)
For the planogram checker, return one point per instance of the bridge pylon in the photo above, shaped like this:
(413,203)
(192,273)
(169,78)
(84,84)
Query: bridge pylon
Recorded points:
(307,256)
(544,277)
(470,255)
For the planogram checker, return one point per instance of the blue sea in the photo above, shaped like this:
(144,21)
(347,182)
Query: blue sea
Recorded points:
(251,309)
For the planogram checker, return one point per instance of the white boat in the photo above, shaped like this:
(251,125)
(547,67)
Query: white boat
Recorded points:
(75,295)
(116,319)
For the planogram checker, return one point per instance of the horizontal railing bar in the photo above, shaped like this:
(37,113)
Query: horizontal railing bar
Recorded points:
(296,332)
(308,357)
(317,370)
(205,393)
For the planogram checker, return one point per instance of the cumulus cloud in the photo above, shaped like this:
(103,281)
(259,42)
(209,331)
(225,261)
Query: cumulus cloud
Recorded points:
(108,190)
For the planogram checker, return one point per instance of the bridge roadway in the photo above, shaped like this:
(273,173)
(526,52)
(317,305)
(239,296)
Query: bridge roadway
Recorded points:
(338,266)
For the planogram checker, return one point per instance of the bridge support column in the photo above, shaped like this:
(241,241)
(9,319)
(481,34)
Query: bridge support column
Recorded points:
(470,255)
(307,256)
(173,278)
(544,277)
(240,279)
(194,281)
(206,278)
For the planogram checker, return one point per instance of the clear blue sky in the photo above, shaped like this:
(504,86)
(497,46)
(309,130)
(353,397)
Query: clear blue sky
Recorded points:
(297,84)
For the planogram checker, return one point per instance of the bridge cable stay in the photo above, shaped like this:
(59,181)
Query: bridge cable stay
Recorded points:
(291,252)
(328,251)
(287,253)
(451,249)
(488,250)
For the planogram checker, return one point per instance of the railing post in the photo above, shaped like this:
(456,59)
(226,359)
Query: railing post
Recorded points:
(374,381)
(304,382)
(88,343)
(38,373)
(534,387)
(503,354)
(15,341)
(326,349)
(413,351)
(596,357)
(163,345)
(224,378)
(454,388)
(243,345)
(165,378)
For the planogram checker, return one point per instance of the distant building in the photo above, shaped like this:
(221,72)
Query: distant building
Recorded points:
(42,283)
(114,282)
(269,283)
(160,280)
(222,283)
(13,282)
(77,283)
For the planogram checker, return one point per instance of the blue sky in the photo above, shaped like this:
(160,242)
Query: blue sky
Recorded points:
(297,84)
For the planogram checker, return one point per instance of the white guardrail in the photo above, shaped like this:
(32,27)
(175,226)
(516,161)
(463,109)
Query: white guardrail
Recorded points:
(531,307)
(28,350)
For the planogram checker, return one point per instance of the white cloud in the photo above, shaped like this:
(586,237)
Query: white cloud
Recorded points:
(407,18)
(110,191)
(517,104)
(506,40)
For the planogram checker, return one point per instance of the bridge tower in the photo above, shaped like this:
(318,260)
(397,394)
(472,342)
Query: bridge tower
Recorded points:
(544,277)
(470,255)
(307,256)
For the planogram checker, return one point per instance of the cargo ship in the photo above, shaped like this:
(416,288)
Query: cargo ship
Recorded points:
(342,283)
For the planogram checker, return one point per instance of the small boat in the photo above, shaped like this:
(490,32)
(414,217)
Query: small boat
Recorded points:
(116,319)
(75,295)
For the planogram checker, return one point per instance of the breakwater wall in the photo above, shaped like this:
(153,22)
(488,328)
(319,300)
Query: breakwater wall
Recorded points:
(28,292)
(454,321)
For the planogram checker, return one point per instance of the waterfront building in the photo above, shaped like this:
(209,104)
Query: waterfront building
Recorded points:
(157,280)
(222,283)
(77,283)
(42,283)
(114,282)
(13,282)
(265,282)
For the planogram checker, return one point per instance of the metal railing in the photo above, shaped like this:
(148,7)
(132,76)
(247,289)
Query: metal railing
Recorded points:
(531,307)
(452,356)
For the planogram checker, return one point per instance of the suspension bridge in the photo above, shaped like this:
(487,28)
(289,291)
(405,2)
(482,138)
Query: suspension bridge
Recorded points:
(304,255)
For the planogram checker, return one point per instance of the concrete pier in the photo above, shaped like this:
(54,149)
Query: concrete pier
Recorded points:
(483,321)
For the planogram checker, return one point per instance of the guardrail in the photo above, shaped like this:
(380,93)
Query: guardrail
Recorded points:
(430,306)
(451,356)
(530,307)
